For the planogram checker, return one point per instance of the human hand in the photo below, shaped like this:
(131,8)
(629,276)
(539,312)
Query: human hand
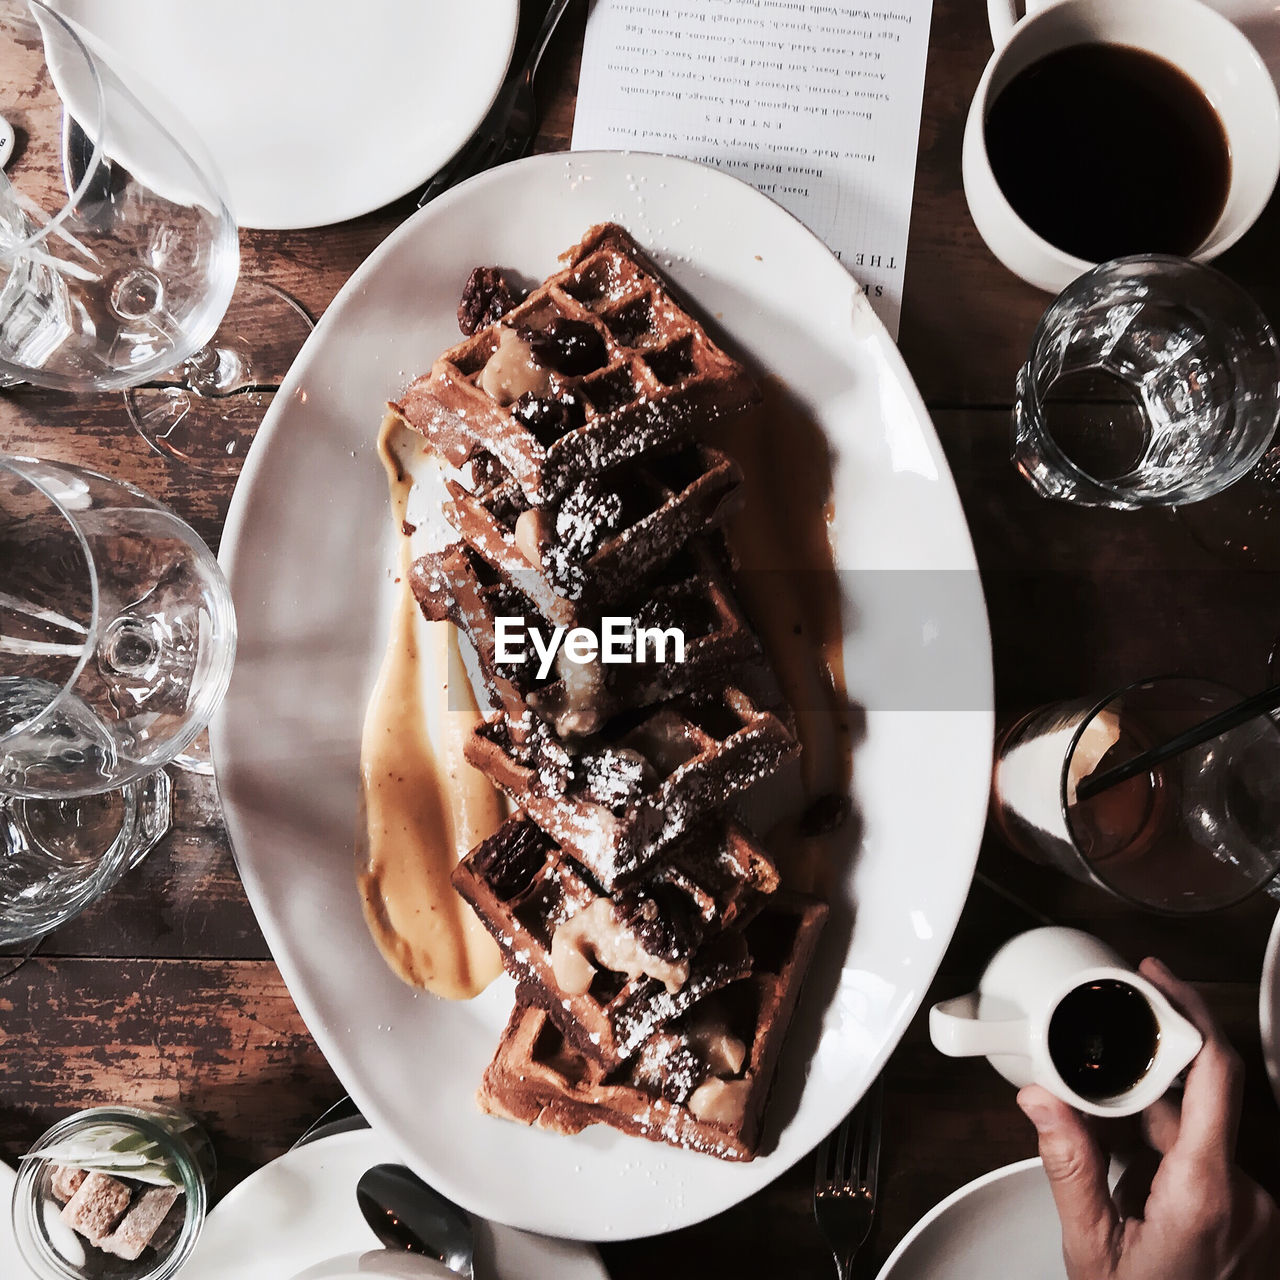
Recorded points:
(1203,1218)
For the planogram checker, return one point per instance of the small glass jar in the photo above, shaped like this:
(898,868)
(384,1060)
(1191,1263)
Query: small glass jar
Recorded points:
(54,1251)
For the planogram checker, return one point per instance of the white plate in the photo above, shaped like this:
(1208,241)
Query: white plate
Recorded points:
(314,111)
(11,1263)
(1002,1224)
(308,550)
(300,1210)
(1269,1008)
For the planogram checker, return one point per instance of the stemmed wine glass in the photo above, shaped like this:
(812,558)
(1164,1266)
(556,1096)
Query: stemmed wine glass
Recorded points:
(119,254)
(117,638)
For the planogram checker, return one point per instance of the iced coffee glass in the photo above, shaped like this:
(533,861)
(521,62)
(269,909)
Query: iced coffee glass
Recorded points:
(1195,833)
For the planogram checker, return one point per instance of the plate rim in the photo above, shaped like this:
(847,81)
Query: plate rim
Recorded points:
(867,325)
(379,1144)
(947,1203)
(8,1241)
(1269,1006)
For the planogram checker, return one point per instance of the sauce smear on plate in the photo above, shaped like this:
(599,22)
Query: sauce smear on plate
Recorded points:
(424,805)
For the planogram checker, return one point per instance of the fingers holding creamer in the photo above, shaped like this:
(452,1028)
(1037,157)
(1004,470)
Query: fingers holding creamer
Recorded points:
(1210,1115)
(1077,1172)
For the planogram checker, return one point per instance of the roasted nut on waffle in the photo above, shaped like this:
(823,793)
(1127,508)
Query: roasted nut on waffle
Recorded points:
(701,1081)
(615,808)
(612,970)
(691,595)
(604,537)
(597,365)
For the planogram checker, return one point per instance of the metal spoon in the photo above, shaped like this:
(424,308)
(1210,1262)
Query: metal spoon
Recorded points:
(405,1213)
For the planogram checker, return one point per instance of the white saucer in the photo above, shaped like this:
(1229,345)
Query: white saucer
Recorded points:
(1002,1224)
(314,111)
(11,1263)
(1257,19)
(300,1210)
(1269,1008)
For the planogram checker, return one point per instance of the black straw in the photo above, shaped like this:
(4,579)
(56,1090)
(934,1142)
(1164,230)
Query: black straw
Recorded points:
(1260,704)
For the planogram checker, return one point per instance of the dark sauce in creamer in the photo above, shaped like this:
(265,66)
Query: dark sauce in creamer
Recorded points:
(1103,1038)
(1106,150)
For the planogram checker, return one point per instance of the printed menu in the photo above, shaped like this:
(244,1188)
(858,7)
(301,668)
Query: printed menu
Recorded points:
(815,104)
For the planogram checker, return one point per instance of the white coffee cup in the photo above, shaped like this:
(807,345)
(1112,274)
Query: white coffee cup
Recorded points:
(1007,1019)
(1201,43)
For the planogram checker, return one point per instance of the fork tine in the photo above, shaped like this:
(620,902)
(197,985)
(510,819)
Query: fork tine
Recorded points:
(485,158)
(494,155)
(845,1177)
(869,1175)
(452,170)
(840,1166)
(822,1164)
(440,182)
(514,147)
(864,1143)
(849,1156)
(851,1130)
(465,160)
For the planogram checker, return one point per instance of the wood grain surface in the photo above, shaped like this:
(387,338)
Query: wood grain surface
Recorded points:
(166,989)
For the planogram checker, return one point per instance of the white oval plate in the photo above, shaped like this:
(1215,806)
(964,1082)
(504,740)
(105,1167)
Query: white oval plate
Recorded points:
(309,552)
(1001,1224)
(1269,1008)
(314,111)
(300,1210)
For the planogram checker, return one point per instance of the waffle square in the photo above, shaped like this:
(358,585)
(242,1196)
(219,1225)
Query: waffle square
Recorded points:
(615,808)
(680,1087)
(691,594)
(672,922)
(660,373)
(605,538)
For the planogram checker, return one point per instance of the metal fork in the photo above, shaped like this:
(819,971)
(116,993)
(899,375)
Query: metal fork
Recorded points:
(507,131)
(844,1180)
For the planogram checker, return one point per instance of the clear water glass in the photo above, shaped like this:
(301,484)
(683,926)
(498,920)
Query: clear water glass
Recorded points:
(1151,380)
(117,638)
(1195,833)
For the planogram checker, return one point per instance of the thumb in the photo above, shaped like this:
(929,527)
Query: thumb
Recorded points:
(1077,1175)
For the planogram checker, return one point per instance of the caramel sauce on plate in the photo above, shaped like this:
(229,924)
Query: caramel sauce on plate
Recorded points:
(780,537)
(424,805)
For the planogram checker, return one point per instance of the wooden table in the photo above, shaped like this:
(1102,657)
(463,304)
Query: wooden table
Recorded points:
(166,989)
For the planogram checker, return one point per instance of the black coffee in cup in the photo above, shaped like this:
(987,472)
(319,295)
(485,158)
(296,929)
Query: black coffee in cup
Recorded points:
(1105,150)
(1103,1038)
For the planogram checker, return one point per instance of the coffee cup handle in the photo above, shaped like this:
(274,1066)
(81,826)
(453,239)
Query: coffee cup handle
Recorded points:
(957,1031)
(1003,16)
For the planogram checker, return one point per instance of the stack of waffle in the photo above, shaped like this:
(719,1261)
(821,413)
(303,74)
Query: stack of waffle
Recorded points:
(657,962)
